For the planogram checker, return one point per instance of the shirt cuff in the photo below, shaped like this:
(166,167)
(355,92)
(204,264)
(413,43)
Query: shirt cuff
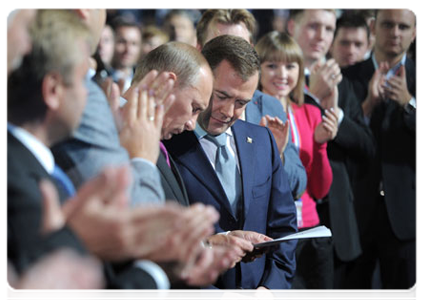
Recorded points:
(410,107)
(340,117)
(157,273)
(143,160)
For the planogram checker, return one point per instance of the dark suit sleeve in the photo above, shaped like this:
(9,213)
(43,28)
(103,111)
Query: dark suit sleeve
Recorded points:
(354,136)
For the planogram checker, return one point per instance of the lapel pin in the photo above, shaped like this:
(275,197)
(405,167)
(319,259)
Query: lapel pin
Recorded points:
(249,140)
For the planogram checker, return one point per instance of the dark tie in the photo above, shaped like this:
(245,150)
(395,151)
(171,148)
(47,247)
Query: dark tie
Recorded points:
(63,180)
(164,151)
(227,171)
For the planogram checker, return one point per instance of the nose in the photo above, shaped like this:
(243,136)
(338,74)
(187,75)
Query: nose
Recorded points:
(282,72)
(228,110)
(320,33)
(190,124)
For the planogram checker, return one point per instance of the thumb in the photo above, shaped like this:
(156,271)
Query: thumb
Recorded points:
(263,121)
(401,72)
(53,218)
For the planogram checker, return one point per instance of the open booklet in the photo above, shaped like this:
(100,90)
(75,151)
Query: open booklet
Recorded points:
(316,232)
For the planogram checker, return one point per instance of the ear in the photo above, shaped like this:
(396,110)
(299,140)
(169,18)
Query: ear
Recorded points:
(83,13)
(290,26)
(52,90)
(414,34)
(372,26)
(173,76)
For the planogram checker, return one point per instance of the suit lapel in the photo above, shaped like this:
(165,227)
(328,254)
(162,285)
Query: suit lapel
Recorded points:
(245,148)
(172,185)
(196,161)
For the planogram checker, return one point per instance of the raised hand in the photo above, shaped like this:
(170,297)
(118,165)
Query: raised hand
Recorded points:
(328,128)
(324,77)
(376,91)
(396,88)
(279,129)
(142,115)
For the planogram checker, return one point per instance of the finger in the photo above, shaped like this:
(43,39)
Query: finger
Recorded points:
(142,84)
(167,104)
(143,105)
(158,117)
(158,84)
(164,92)
(401,72)
(263,121)
(53,218)
(131,107)
(151,107)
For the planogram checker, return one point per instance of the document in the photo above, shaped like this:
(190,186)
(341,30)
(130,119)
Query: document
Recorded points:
(317,232)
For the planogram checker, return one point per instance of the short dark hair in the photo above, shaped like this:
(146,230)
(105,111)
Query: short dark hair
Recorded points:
(352,20)
(237,51)
(295,14)
(227,17)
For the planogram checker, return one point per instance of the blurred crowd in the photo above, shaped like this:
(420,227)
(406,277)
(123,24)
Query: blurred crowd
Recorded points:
(158,149)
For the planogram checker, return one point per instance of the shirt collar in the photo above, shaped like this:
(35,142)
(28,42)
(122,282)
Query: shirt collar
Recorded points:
(37,148)
(394,69)
(201,133)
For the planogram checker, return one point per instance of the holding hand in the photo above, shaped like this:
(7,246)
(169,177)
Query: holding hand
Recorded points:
(328,128)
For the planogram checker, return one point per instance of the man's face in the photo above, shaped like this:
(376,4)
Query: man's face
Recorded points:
(181,29)
(230,97)
(394,31)
(218,29)
(18,39)
(313,31)
(189,103)
(350,45)
(127,47)
(75,93)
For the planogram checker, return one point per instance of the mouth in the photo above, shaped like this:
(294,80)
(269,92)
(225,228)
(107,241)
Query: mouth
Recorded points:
(281,85)
(220,122)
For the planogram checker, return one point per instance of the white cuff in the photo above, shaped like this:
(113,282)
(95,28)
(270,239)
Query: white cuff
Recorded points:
(157,273)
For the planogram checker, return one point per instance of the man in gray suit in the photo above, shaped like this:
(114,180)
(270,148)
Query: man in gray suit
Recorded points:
(262,109)
(96,142)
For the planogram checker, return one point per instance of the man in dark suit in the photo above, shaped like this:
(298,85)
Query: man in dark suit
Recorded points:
(241,22)
(258,202)
(386,193)
(313,30)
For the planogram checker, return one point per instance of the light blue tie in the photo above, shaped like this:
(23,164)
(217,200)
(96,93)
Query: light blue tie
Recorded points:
(227,171)
(63,180)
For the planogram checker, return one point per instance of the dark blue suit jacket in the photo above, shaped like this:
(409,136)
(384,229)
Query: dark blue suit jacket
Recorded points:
(268,206)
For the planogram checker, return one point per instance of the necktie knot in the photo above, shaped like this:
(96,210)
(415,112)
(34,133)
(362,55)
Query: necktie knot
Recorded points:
(218,140)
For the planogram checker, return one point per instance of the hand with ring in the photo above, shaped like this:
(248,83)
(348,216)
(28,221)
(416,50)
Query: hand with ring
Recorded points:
(143,115)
